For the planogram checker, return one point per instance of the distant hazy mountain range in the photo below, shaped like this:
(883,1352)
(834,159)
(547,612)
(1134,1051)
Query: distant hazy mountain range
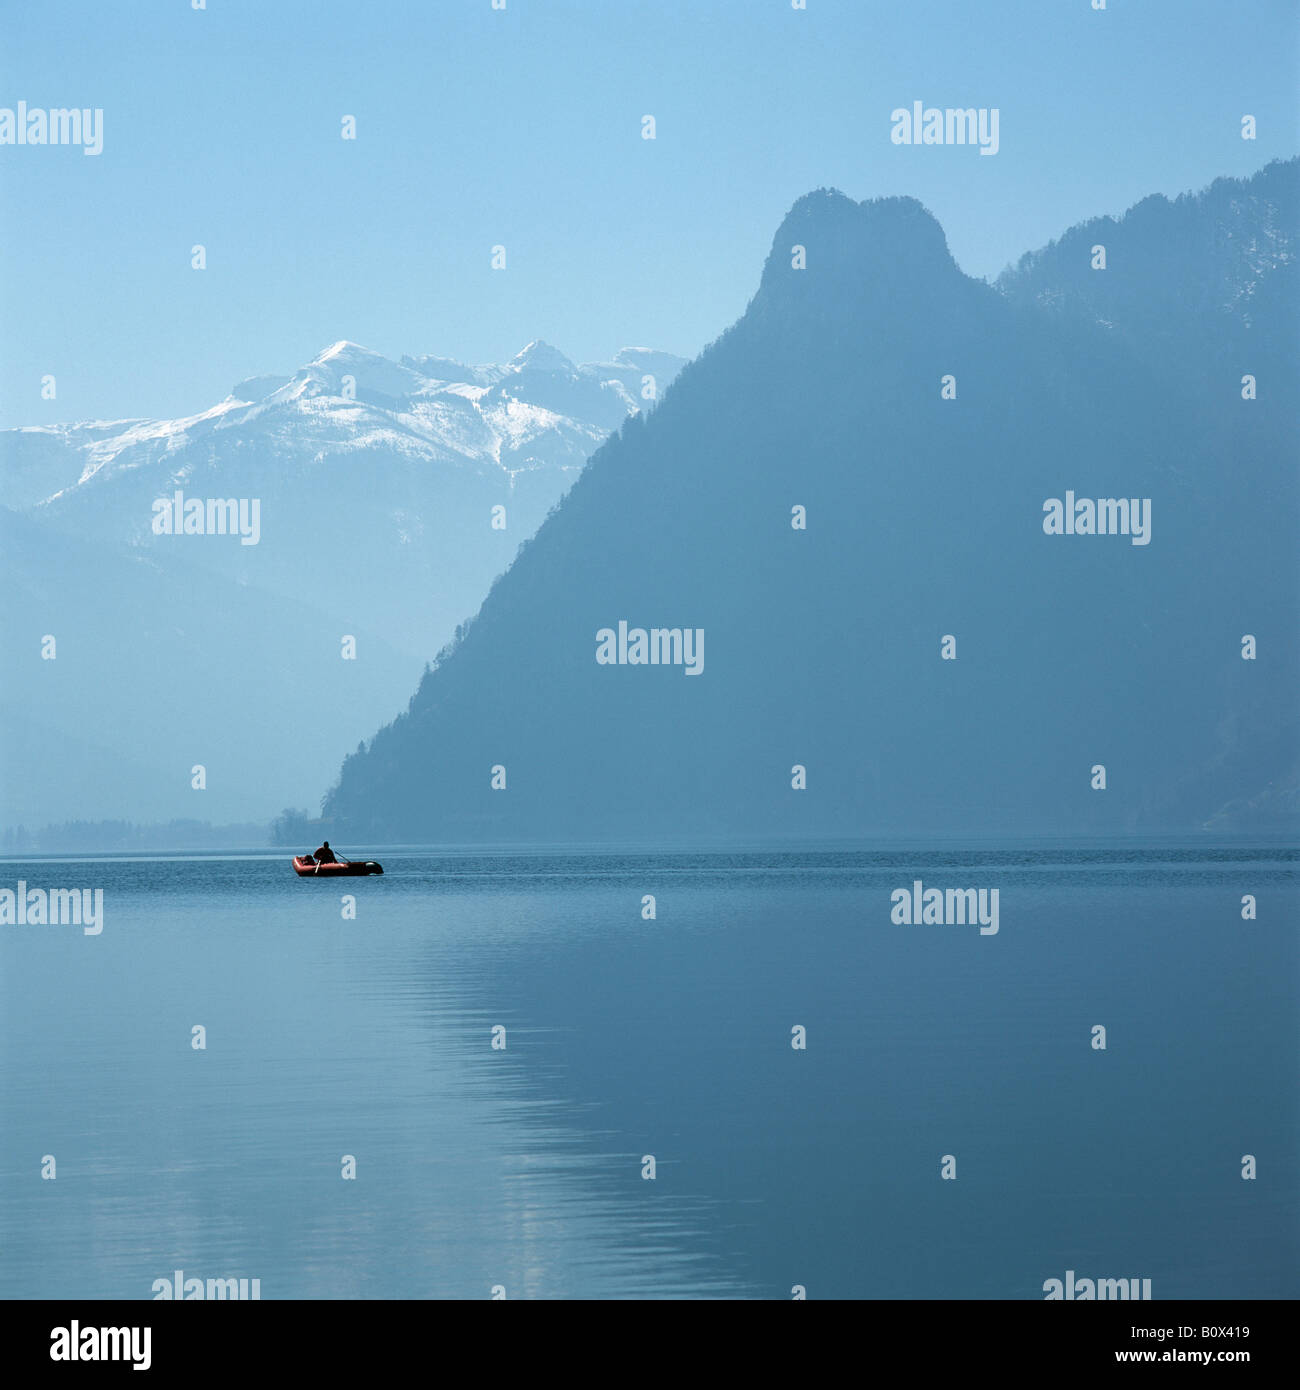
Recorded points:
(375,484)
(884,510)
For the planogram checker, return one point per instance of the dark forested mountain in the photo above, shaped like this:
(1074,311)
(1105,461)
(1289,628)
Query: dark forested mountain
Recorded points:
(922,422)
(1207,265)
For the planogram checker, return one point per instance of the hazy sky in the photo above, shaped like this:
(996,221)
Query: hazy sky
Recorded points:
(522,127)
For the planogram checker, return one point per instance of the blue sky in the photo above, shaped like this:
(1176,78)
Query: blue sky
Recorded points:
(522,127)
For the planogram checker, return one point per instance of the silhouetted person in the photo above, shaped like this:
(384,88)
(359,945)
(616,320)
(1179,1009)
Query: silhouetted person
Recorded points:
(325,855)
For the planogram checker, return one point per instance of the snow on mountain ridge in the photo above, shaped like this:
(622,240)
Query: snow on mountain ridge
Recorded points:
(540,356)
(350,399)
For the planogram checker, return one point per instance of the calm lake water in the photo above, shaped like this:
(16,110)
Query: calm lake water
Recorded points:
(671,1037)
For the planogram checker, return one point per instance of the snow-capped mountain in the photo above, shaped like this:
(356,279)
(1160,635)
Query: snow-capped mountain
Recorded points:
(389,495)
(536,411)
(362,468)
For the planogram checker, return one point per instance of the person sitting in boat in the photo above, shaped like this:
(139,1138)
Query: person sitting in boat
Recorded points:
(325,855)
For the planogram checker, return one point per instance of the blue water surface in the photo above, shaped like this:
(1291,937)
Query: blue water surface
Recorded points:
(627,1037)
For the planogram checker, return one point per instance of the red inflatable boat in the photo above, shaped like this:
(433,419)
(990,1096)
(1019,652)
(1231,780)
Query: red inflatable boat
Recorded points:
(306,867)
